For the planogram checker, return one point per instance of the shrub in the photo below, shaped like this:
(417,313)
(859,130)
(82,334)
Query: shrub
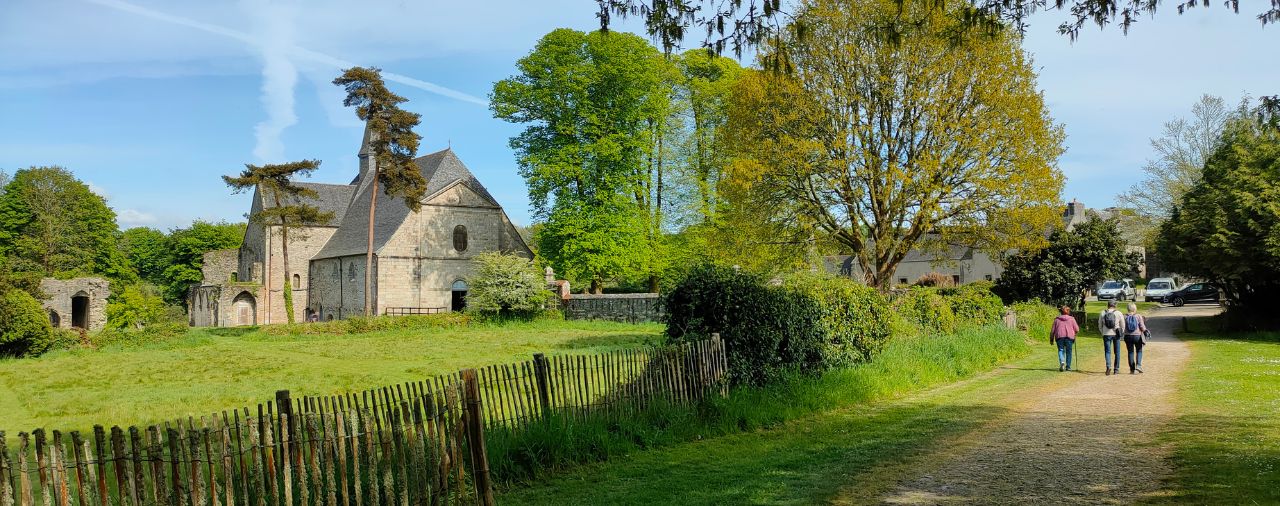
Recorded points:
(136,306)
(974,304)
(766,330)
(24,325)
(1035,317)
(856,319)
(507,285)
(935,280)
(925,310)
(152,333)
(361,324)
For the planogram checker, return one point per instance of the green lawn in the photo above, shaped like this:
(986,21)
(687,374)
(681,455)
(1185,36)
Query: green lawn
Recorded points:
(1226,439)
(840,455)
(209,370)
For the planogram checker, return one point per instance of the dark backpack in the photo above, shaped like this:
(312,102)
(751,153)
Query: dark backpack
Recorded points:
(1131,323)
(1109,320)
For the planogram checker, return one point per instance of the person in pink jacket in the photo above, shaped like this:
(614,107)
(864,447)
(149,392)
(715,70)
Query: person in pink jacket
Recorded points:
(1063,333)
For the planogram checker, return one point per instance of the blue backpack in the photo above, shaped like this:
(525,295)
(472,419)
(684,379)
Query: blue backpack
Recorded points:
(1131,324)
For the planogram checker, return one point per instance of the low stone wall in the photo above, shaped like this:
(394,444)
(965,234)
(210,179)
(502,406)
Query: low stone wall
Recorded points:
(619,307)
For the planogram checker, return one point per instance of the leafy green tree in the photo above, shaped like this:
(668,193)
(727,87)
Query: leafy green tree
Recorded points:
(1179,153)
(702,94)
(507,285)
(1226,228)
(1073,262)
(887,146)
(53,225)
(24,325)
(394,146)
(596,106)
(741,25)
(147,251)
(136,306)
(288,212)
(188,246)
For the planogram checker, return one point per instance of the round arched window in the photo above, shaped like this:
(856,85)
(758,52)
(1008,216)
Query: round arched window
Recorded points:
(459,238)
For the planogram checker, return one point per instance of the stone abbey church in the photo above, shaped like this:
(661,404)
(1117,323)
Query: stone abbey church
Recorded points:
(421,259)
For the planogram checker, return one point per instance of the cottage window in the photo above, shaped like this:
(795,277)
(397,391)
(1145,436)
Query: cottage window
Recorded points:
(460,238)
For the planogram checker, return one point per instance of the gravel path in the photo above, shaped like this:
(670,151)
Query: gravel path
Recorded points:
(1084,440)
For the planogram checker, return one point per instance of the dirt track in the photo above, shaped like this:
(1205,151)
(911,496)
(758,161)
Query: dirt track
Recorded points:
(1085,440)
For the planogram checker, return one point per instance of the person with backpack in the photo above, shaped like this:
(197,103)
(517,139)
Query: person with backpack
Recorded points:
(1135,337)
(1111,326)
(1063,333)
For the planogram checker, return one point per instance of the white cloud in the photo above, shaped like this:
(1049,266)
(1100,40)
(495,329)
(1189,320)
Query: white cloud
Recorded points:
(274,29)
(98,190)
(129,218)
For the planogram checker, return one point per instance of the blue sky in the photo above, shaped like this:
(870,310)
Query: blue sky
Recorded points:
(151,101)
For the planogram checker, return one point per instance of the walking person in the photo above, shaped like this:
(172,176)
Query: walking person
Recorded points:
(1135,337)
(1111,326)
(1063,333)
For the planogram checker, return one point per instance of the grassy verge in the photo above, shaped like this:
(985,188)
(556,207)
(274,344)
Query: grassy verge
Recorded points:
(861,436)
(1226,440)
(206,370)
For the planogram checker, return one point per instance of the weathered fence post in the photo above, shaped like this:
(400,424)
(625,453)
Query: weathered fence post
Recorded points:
(540,369)
(475,437)
(722,362)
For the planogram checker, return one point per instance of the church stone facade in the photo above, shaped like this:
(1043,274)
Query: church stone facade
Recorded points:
(421,258)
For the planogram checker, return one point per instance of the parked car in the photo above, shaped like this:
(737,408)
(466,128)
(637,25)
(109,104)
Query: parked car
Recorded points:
(1117,290)
(1194,292)
(1158,289)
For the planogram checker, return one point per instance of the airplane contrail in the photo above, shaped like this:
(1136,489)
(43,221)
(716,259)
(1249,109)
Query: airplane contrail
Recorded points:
(295,50)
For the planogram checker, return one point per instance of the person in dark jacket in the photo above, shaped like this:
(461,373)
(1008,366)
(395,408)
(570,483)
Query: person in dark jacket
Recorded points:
(1111,326)
(1134,337)
(1063,333)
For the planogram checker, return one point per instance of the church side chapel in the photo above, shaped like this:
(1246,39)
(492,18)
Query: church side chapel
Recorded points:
(421,259)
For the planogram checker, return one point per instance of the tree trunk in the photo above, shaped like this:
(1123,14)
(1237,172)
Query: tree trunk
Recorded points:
(284,254)
(368,257)
(597,287)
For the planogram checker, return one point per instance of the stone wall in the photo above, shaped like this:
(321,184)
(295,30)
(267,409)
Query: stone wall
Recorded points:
(220,266)
(225,305)
(303,245)
(336,287)
(62,302)
(619,307)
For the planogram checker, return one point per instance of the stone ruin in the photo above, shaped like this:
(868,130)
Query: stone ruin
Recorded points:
(76,303)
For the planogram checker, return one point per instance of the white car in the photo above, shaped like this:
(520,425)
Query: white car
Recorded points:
(1117,290)
(1158,289)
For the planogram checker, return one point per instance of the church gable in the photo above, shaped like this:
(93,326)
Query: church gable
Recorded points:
(460,195)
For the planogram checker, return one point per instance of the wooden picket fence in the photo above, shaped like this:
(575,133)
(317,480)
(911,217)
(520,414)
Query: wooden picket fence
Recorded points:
(575,386)
(414,443)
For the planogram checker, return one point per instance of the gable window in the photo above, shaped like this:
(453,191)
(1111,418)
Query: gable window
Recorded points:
(459,238)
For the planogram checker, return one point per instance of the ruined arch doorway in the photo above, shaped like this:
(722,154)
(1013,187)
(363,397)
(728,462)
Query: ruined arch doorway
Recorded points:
(80,310)
(244,309)
(459,296)
(54,319)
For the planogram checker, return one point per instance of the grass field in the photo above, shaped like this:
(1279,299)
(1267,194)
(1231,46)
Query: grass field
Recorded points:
(1227,438)
(209,370)
(805,439)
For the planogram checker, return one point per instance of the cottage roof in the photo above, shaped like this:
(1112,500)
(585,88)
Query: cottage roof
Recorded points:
(440,169)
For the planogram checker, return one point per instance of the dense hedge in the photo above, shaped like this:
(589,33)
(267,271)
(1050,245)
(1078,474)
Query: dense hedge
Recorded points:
(856,319)
(767,330)
(974,304)
(362,324)
(925,310)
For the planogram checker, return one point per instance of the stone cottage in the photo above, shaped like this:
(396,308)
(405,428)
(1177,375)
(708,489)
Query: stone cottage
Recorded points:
(421,258)
(76,303)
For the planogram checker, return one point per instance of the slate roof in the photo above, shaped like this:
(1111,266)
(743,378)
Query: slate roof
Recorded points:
(329,197)
(441,169)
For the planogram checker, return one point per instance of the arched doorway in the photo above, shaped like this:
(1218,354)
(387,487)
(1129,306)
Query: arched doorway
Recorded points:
(244,308)
(54,319)
(80,310)
(459,296)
